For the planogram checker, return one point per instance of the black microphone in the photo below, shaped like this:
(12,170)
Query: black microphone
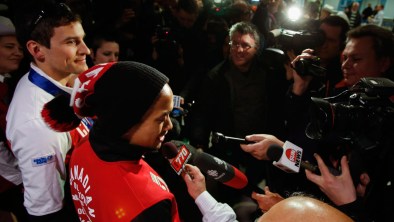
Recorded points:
(179,153)
(288,158)
(220,138)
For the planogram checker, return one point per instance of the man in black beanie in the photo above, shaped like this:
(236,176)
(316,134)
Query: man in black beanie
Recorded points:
(109,177)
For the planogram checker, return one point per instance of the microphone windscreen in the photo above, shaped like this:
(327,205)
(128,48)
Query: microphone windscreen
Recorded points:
(169,150)
(274,152)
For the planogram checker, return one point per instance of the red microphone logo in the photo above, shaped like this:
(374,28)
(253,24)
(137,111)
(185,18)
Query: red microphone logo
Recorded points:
(181,159)
(294,156)
(291,155)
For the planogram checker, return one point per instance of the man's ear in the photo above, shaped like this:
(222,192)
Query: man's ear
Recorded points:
(385,64)
(35,49)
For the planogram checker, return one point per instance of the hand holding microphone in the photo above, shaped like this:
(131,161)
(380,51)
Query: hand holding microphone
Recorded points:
(195,181)
(220,138)
(260,144)
(289,159)
(179,153)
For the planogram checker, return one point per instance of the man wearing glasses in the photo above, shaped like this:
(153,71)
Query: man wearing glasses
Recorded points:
(239,95)
(53,36)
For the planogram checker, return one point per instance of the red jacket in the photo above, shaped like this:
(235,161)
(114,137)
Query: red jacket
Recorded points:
(114,191)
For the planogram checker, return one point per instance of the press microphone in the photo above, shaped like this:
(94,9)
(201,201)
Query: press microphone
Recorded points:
(179,153)
(289,159)
(220,138)
(177,156)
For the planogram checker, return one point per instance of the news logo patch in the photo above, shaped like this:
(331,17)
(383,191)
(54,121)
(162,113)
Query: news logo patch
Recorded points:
(290,160)
(43,160)
(213,173)
(181,159)
(293,155)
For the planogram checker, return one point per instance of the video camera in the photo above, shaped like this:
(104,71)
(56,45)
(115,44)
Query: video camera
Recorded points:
(364,114)
(166,45)
(163,33)
(310,67)
(300,40)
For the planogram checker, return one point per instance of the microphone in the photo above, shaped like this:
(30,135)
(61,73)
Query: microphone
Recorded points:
(289,158)
(211,166)
(177,157)
(220,138)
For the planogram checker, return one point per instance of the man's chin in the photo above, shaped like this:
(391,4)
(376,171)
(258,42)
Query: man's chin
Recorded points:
(239,62)
(350,81)
(80,69)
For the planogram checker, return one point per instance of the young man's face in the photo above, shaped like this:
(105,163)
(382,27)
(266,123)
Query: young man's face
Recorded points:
(332,45)
(360,60)
(11,54)
(155,124)
(243,50)
(67,53)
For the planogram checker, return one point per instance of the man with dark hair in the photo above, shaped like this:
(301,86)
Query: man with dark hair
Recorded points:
(177,47)
(369,52)
(53,37)
(366,13)
(305,85)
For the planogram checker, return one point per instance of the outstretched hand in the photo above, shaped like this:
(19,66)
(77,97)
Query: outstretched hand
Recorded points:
(267,200)
(340,189)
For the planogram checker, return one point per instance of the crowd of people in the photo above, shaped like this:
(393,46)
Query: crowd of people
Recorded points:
(87,102)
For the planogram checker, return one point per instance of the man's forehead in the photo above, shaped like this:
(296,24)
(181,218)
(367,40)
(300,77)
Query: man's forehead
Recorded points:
(239,36)
(363,43)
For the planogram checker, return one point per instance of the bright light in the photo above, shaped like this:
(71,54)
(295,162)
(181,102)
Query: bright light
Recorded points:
(217,1)
(294,13)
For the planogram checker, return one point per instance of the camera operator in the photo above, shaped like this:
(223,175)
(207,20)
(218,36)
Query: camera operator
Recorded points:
(314,76)
(310,81)
(369,52)
(265,20)
(177,46)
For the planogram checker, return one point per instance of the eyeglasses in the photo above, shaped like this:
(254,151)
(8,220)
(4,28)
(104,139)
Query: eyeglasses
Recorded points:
(244,46)
(61,10)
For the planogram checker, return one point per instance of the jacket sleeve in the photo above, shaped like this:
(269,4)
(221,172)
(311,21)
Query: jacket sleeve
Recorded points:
(214,211)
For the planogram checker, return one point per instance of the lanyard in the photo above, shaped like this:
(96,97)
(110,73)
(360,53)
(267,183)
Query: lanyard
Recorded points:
(54,90)
(44,83)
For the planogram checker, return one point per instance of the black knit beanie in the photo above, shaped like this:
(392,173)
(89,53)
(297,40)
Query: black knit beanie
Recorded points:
(123,95)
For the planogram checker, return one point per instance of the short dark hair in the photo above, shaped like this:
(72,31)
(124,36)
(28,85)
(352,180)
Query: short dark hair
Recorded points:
(38,19)
(337,21)
(98,38)
(383,39)
(189,6)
